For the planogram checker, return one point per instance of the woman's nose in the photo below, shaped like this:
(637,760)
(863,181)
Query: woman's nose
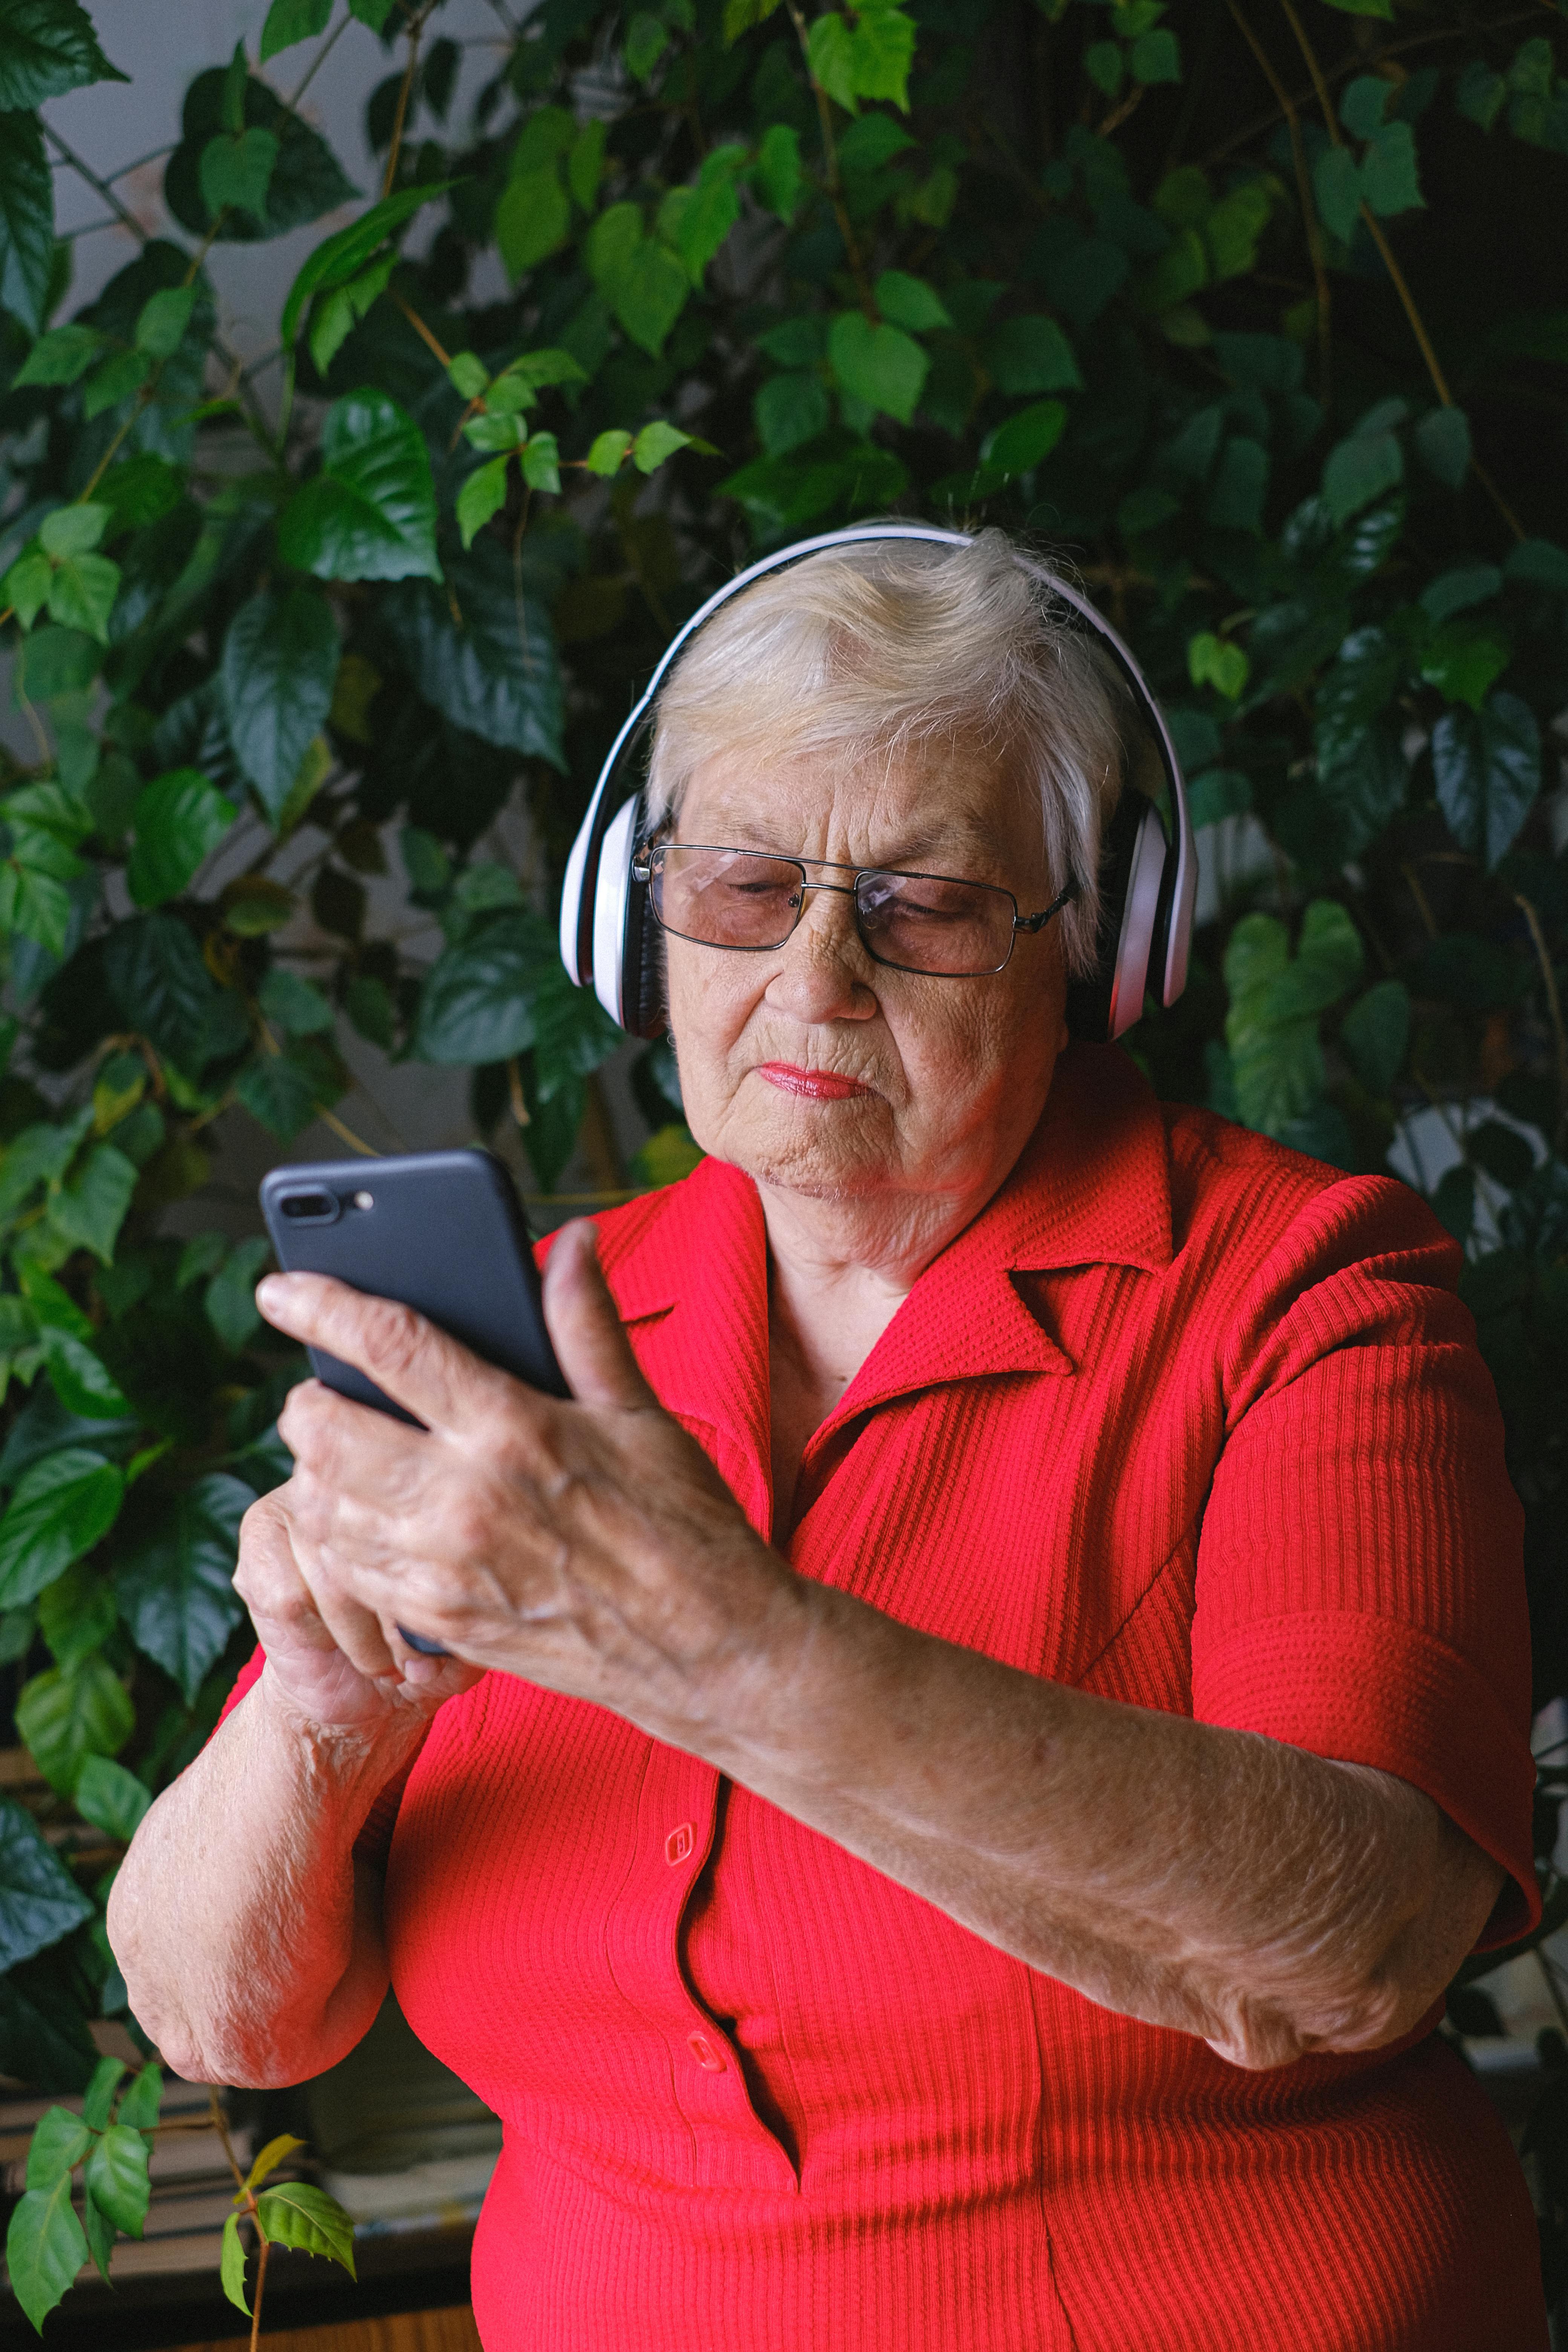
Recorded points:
(822,976)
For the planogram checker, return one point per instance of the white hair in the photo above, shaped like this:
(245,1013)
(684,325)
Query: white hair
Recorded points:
(896,647)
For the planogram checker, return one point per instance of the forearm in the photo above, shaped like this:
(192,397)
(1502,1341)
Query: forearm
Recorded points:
(251,1946)
(1223,1884)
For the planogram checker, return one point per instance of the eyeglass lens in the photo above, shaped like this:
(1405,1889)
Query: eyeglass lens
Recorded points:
(916,922)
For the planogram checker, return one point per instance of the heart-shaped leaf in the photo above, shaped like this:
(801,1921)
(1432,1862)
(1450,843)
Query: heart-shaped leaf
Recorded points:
(115,2177)
(879,364)
(60,1508)
(39,1900)
(239,172)
(177,1586)
(178,819)
(65,1716)
(369,513)
(280,661)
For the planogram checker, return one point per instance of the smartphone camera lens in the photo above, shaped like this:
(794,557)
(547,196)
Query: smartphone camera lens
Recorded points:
(308,1208)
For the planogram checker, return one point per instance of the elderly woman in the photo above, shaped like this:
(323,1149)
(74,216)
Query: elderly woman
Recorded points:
(972,1746)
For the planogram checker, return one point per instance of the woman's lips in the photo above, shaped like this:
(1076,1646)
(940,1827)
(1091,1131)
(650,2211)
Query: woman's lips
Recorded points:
(822,1085)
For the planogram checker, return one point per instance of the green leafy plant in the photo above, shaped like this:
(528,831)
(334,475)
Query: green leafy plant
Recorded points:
(1254,313)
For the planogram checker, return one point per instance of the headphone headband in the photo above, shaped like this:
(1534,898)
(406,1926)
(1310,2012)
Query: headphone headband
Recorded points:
(582,896)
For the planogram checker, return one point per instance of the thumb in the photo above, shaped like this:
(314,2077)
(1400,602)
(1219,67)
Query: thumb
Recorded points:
(580,1315)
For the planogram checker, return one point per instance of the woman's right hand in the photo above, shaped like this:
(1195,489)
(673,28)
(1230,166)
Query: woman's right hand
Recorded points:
(329,1661)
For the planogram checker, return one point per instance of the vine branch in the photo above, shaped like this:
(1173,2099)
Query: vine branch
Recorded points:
(1304,193)
(833,181)
(1396,276)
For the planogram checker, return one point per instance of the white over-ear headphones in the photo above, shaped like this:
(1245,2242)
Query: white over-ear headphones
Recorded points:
(1147,890)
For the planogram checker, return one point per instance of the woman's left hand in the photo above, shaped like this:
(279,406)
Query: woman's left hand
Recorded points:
(589,1546)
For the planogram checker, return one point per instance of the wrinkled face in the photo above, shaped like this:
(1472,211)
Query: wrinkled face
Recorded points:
(948,1075)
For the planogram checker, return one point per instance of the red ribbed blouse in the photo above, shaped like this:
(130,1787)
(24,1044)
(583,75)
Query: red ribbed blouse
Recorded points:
(1184,1419)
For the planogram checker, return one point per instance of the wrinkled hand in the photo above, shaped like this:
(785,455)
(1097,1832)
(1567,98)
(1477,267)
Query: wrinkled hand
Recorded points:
(315,1644)
(589,1546)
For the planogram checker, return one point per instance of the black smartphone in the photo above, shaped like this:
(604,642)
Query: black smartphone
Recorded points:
(442,1231)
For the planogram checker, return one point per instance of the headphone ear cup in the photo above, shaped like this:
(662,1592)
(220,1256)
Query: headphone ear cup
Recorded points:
(642,962)
(1088,1000)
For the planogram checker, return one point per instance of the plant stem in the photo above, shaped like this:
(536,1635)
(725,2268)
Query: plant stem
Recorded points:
(69,154)
(833,183)
(1304,195)
(265,2249)
(1396,276)
(415,27)
(421,329)
(220,2125)
(1554,1009)
(320,59)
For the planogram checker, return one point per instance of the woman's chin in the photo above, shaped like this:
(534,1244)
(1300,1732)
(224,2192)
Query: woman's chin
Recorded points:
(827,1148)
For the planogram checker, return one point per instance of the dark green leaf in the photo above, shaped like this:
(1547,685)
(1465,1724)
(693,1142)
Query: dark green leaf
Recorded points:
(231,1295)
(483,495)
(306,179)
(279,663)
(1442,440)
(1486,765)
(175,1586)
(45,2248)
(115,2178)
(478,1003)
(44,2036)
(39,1900)
(239,172)
(1375,1033)
(343,257)
(294,1002)
(533,218)
(881,365)
(1027,355)
(1390,179)
(60,1508)
(90,1209)
(179,820)
(76,1614)
(48,47)
(1540,562)
(1027,437)
(289,21)
(495,673)
(27,220)
(370,514)
(1359,470)
(790,409)
(165,990)
(61,356)
(111,1798)
(1501,1152)
(66,1715)
(286,1090)
(299,2215)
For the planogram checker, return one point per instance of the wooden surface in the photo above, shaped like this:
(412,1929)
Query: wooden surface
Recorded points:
(411,2331)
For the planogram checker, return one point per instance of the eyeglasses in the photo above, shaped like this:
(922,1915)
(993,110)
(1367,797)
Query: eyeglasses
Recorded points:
(751,901)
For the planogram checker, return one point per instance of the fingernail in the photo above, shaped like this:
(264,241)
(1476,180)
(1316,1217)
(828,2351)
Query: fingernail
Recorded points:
(273,1294)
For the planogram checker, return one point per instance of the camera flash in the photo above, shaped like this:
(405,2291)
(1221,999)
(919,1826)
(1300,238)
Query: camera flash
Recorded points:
(364,1200)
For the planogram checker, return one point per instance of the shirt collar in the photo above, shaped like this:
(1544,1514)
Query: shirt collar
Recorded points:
(1090,1187)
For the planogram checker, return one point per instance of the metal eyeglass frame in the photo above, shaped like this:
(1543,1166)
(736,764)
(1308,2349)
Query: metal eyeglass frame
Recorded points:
(643,872)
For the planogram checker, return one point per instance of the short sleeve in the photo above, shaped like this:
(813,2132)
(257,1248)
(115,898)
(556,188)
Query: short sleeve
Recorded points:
(373,1842)
(1360,1569)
